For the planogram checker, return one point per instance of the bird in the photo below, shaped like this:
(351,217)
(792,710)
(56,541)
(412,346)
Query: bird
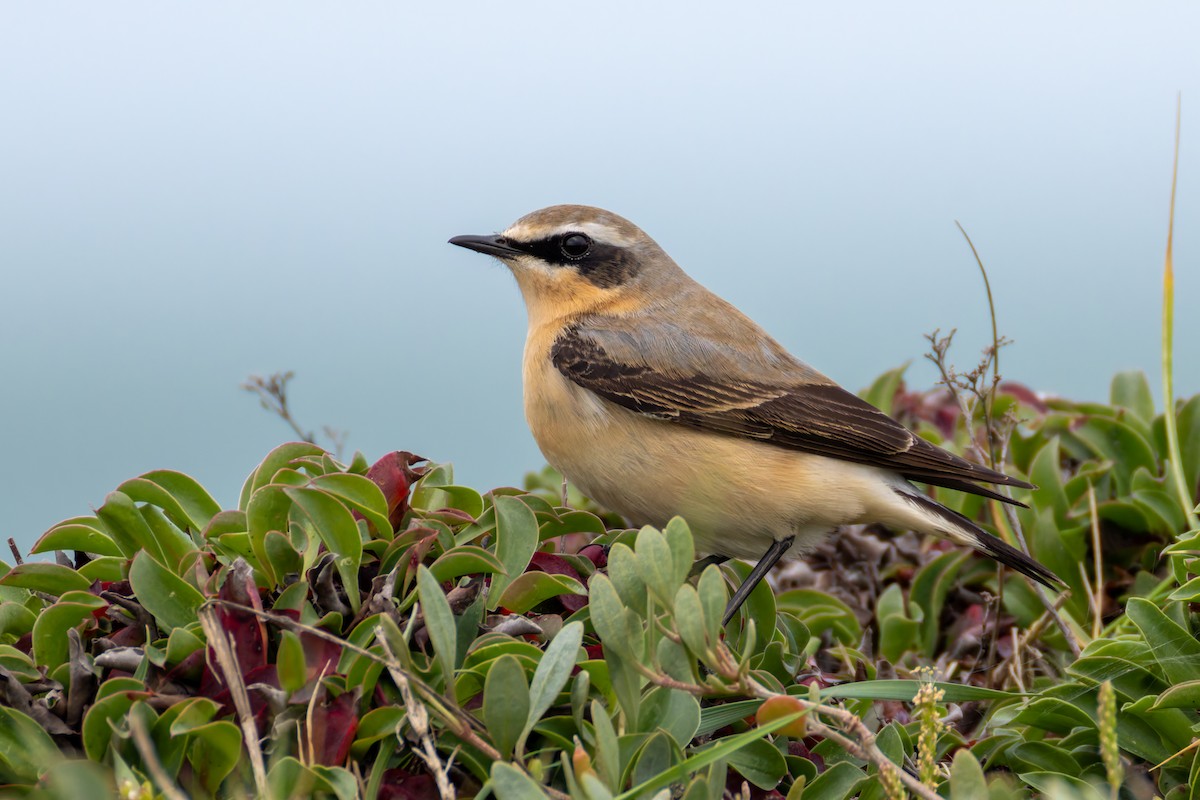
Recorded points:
(657,398)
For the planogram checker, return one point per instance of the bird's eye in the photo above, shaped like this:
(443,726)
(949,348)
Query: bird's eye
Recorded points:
(575,245)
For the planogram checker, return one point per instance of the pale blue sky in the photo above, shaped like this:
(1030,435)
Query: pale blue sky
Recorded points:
(192,193)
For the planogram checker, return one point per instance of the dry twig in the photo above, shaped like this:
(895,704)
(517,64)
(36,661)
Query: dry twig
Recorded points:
(227,661)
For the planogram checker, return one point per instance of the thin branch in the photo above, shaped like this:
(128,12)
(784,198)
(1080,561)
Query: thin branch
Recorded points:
(272,395)
(456,718)
(145,748)
(1097,563)
(1168,349)
(940,346)
(227,661)
(457,721)
(418,718)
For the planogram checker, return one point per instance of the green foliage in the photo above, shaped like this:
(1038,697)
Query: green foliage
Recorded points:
(372,624)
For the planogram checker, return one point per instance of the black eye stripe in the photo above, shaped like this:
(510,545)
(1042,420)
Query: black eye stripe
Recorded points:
(551,250)
(604,265)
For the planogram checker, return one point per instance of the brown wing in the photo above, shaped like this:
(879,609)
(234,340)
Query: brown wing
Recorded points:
(820,418)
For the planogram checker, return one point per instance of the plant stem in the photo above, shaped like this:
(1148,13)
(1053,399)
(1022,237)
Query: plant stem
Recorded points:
(1168,335)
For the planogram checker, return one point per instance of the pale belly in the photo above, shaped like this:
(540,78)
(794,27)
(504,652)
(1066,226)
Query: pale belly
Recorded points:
(737,496)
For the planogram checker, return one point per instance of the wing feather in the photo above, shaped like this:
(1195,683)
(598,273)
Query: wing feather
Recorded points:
(804,415)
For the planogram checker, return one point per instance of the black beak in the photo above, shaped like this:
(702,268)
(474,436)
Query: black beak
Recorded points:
(496,246)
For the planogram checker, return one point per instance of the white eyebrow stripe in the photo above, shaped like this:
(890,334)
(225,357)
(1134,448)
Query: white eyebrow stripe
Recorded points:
(597,230)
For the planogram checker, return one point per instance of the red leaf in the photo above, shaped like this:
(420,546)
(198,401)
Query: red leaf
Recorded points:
(400,784)
(555,565)
(596,554)
(247,631)
(321,656)
(395,474)
(333,726)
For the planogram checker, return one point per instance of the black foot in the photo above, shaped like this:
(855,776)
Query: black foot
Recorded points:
(769,559)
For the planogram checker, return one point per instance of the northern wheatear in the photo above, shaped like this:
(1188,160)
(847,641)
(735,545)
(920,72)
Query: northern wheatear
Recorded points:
(656,398)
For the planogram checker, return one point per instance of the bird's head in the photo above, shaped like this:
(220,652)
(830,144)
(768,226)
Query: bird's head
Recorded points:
(571,260)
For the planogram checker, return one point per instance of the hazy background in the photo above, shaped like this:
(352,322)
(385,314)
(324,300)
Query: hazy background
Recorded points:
(193,193)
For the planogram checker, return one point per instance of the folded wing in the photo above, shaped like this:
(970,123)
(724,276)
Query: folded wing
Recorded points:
(786,410)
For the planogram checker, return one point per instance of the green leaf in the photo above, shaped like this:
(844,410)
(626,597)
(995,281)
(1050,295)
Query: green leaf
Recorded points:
(50,646)
(1131,390)
(176,545)
(289,778)
(569,522)
(671,710)
(99,720)
(337,529)
(267,510)
(760,763)
(683,548)
(1175,649)
(128,528)
(713,718)
(608,751)
(290,663)
(1181,695)
(1188,416)
(1033,756)
(186,502)
(15,619)
(439,621)
(689,620)
(1121,444)
(837,782)
(279,458)
(360,494)
(377,724)
(552,673)
(1056,784)
(214,752)
(73,779)
(1046,472)
(105,568)
(189,715)
(25,747)
(516,541)
(619,628)
(534,588)
(967,781)
(899,627)
(465,560)
(700,759)
(281,554)
(626,578)
(48,578)
(505,703)
(655,565)
(85,534)
(822,612)
(658,753)
(906,690)
(713,599)
(510,783)
(172,600)
(929,589)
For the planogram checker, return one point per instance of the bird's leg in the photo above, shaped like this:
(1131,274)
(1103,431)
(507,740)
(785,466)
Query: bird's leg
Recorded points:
(705,563)
(769,559)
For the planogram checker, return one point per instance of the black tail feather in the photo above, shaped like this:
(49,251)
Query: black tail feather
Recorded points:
(986,543)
